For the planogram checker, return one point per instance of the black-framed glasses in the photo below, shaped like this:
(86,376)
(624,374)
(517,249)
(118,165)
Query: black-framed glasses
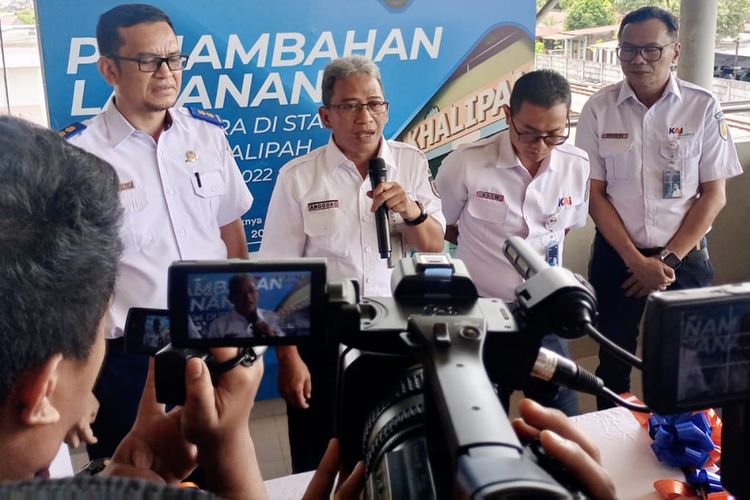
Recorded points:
(649,53)
(352,108)
(151,64)
(549,139)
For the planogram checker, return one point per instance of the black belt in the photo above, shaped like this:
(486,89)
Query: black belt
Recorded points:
(696,255)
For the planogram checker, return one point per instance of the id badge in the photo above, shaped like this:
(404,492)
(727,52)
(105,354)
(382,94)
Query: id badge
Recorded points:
(552,253)
(672,183)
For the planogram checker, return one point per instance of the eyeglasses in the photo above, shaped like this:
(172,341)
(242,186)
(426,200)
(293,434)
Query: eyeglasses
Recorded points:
(352,108)
(649,53)
(152,64)
(549,139)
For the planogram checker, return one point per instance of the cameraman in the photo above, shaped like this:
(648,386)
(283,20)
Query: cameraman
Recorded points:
(59,250)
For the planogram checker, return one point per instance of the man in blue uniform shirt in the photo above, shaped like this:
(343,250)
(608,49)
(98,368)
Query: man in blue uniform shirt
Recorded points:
(181,190)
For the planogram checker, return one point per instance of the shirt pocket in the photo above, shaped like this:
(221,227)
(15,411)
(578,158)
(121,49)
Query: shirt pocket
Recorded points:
(209,188)
(135,229)
(615,156)
(683,155)
(567,217)
(326,233)
(489,212)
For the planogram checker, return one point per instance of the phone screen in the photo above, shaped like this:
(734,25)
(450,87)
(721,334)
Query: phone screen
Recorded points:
(147,331)
(156,332)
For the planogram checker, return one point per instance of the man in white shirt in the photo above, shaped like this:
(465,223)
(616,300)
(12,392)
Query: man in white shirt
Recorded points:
(660,155)
(181,190)
(246,319)
(524,181)
(322,206)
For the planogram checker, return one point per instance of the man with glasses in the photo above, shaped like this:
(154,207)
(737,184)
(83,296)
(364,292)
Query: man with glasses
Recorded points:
(660,155)
(524,181)
(322,206)
(181,190)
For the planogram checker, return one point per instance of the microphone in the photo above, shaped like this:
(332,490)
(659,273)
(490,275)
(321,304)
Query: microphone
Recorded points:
(524,259)
(559,370)
(376,171)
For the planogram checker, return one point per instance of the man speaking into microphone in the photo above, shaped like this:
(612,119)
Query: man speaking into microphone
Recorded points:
(325,205)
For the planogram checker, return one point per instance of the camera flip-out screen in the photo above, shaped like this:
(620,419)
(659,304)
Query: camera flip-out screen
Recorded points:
(233,303)
(697,348)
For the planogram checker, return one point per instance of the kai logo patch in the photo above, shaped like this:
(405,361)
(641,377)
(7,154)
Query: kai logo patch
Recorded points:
(565,201)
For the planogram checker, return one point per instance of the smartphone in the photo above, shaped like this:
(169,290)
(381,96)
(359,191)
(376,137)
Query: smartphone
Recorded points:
(146,331)
(245,304)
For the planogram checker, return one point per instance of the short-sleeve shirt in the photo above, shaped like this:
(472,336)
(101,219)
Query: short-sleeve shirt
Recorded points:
(233,324)
(176,194)
(631,146)
(485,188)
(320,208)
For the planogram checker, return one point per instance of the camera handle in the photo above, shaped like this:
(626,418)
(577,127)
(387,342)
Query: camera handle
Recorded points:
(247,356)
(485,452)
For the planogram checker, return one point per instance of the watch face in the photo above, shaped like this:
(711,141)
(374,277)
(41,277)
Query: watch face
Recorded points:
(672,260)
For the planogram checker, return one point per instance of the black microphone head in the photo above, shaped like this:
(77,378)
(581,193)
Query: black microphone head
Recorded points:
(376,169)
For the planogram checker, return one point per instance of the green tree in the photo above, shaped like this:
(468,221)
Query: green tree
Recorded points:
(26,16)
(588,14)
(539,47)
(731,16)
(624,6)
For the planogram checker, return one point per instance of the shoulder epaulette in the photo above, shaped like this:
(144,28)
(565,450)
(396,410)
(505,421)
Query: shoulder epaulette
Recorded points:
(206,116)
(71,130)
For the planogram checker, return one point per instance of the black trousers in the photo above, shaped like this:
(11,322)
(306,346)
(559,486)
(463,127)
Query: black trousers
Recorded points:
(619,316)
(310,429)
(118,390)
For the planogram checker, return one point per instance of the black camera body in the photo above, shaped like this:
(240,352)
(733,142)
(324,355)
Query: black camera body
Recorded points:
(414,398)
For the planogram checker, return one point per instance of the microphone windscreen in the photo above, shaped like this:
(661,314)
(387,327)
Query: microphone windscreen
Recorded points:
(376,169)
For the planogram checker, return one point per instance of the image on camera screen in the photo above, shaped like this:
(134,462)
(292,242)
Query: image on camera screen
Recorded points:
(226,305)
(156,332)
(714,351)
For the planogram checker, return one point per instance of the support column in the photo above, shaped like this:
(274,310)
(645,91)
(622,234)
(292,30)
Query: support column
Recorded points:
(698,39)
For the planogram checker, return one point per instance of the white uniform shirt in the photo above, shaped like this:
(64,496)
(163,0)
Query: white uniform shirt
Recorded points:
(233,324)
(484,188)
(630,146)
(320,208)
(176,194)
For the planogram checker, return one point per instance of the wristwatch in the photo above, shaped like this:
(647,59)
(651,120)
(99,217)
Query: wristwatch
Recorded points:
(669,258)
(420,218)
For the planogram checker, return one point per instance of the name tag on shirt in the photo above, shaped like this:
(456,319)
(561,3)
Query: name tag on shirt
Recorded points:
(322,205)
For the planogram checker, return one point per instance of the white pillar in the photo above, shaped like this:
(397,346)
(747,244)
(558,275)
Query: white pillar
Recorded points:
(698,39)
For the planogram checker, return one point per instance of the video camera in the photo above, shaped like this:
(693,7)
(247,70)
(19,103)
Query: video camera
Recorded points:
(415,373)
(696,350)
(435,331)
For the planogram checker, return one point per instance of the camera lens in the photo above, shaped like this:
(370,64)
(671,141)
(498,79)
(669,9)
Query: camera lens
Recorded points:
(395,419)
